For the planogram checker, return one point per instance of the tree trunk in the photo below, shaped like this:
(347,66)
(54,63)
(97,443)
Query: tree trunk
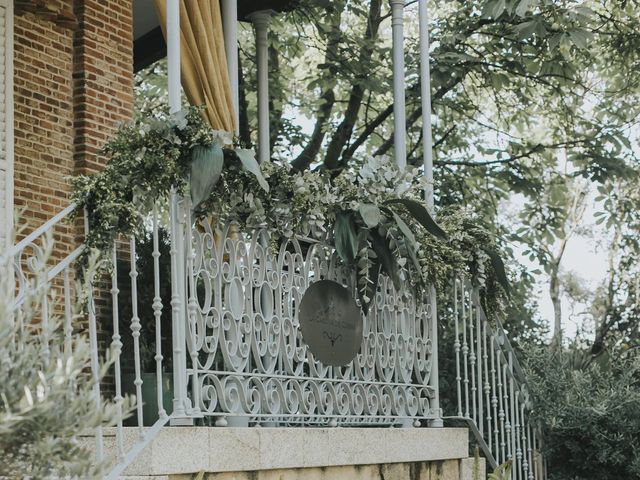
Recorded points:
(556,301)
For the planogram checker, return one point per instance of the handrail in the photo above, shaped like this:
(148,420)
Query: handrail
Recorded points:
(26,241)
(64,263)
(131,455)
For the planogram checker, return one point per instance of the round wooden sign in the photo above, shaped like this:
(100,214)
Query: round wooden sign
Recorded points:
(330,323)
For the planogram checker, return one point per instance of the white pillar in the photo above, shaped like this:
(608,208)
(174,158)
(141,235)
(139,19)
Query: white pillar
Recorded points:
(425,92)
(173,55)
(260,22)
(230,22)
(180,401)
(399,114)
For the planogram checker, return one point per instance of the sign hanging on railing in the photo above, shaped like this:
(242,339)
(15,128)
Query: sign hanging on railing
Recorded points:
(330,323)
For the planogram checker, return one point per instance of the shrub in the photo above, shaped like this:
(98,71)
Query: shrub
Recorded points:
(46,397)
(589,412)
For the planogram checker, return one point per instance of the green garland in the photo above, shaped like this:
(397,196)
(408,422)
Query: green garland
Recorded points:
(372,212)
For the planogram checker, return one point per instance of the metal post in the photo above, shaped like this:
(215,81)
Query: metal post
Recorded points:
(157,313)
(260,22)
(93,345)
(135,333)
(399,110)
(173,55)
(230,22)
(179,416)
(433,378)
(425,93)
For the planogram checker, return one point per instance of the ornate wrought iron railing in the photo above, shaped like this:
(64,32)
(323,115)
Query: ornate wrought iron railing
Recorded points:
(248,358)
(230,342)
(492,395)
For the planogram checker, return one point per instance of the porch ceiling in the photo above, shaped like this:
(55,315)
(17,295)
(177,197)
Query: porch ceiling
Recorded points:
(149,45)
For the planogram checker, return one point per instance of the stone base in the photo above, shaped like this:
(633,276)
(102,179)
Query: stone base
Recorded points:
(436,470)
(209,453)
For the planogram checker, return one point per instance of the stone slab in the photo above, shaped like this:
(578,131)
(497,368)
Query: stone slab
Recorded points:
(183,450)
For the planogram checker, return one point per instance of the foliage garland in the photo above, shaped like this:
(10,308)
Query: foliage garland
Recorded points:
(372,212)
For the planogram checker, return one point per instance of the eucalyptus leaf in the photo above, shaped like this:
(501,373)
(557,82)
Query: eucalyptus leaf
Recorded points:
(367,287)
(422,216)
(248,158)
(404,228)
(370,213)
(385,256)
(346,237)
(206,168)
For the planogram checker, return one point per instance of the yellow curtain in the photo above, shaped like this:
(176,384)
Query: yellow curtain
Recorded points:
(205,78)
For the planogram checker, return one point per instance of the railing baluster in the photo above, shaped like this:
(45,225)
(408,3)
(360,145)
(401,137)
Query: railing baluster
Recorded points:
(456,344)
(501,414)
(523,442)
(68,327)
(494,400)
(530,453)
(472,359)
(93,346)
(544,464)
(536,457)
(509,372)
(507,411)
(116,344)
(518,464)
(46,348)
(479,355)
(95,368)
(192,310)
(135,333)
(487,387)
(157,313)
(465,351)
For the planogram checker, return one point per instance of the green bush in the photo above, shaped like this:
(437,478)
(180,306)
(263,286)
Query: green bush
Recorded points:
(589,412)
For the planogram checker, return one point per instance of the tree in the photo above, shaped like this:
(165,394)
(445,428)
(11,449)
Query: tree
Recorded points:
(515,84)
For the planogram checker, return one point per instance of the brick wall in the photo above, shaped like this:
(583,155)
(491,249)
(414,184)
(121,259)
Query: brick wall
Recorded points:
(73,86)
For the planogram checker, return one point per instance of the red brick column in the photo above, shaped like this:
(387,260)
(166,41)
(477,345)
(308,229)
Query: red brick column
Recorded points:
(43,121)
(102,76)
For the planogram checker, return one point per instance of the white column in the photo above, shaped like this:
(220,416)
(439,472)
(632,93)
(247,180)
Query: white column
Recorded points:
(260,22)
(180,401)
(399,113)
(425,93)
(230,22)
(173,54)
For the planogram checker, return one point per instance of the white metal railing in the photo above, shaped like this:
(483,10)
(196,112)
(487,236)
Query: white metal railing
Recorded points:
(233,337)
(58,280)
(492,395)
(248,360)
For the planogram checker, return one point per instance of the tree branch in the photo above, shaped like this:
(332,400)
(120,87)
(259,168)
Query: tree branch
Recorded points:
(344,131)
(327,99)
